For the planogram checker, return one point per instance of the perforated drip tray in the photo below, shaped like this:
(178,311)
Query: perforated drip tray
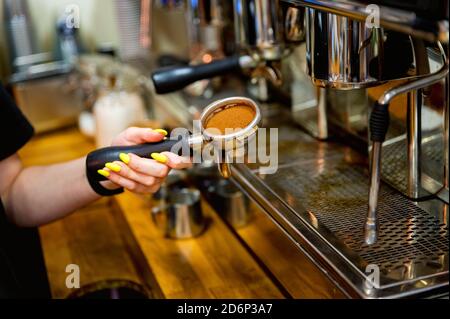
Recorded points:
(324,187)
(395,166)
(337,198)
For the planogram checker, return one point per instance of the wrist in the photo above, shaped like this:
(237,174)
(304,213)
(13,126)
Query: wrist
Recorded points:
(102,188)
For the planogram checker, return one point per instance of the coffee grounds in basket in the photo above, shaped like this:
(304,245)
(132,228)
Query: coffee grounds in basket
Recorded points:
(231,118)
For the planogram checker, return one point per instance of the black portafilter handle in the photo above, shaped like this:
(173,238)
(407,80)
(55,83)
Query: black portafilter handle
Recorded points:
(171,79)
(379,122)
(97,159)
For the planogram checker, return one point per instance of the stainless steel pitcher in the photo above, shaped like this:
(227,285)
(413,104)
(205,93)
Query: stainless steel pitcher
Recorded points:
(182,216)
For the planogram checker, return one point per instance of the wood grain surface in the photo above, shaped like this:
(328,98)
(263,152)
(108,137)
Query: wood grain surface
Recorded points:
(213,265)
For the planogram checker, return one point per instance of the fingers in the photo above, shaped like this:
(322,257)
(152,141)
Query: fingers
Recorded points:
(156,167)
(148,166)
(132,185)
(137,135)
(176,162)
(119,180)
(124,171)
(141,175)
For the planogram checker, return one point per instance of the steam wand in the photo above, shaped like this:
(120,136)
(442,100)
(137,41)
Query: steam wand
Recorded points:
(379,124)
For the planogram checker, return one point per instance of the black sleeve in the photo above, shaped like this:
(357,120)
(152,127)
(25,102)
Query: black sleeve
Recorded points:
(15,130)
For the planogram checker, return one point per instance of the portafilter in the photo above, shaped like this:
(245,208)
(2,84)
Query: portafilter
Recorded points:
(183,145)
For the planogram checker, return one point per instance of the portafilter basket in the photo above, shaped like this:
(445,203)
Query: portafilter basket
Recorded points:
(225,144)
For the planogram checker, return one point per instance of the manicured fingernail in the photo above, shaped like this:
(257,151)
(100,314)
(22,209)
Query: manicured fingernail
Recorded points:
(114,167)
(161,131)
(125,158)
(103,172)
(159,158)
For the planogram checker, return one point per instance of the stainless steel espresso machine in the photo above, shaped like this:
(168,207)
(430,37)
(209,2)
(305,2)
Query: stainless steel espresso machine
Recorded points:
(259,48)
(362,179)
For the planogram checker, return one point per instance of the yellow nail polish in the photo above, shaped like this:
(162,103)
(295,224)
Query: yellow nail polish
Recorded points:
(125,158)
(159,158)
(114,167)
(161,131)
(103,172)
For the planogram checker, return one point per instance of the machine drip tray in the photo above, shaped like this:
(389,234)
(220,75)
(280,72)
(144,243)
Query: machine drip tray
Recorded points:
(319,197)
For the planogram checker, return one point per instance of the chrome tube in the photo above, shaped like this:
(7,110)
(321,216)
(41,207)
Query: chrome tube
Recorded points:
(446,138)
(387,97)
(371,226)
(205,23)
(414,142)
(258,27)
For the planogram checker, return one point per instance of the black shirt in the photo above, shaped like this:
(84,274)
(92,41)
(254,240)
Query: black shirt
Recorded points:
(22,270)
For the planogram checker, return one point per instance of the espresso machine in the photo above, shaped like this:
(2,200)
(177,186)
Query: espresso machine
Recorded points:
(362,179)
(374,183)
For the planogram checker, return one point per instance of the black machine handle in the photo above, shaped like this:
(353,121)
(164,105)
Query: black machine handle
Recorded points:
(379,122)
(171,79)
(97,159)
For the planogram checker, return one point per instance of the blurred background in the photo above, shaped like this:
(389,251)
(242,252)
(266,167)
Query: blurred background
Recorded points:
(88,50)
(82,71)
(98,27)
(97,18)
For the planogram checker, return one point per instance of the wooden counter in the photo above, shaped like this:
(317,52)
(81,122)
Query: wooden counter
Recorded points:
(90,237)
(214,265)
(116,239)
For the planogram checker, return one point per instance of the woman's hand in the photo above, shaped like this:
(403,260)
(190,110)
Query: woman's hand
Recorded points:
(137,174)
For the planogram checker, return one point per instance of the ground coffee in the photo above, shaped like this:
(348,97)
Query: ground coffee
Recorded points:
(232,117)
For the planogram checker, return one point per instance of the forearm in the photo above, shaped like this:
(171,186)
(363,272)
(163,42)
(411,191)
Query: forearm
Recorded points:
(39,195)
(42,194)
